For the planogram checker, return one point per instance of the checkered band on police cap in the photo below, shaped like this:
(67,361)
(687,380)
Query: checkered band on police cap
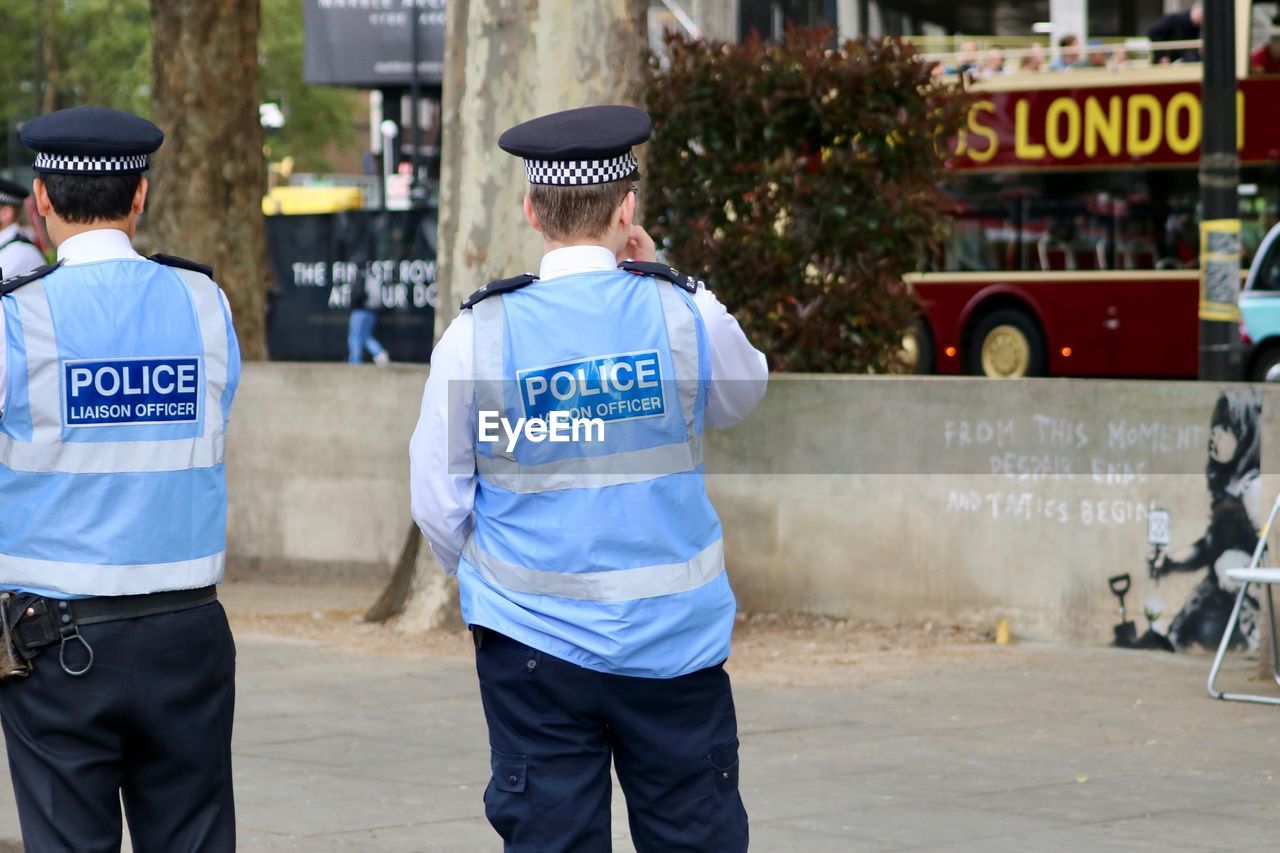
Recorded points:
(580,172)
(72,165)
(8,198)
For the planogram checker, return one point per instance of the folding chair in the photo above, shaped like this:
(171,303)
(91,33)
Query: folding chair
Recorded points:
(1265,576)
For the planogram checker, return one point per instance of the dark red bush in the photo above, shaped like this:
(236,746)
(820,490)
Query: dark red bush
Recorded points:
(802,183)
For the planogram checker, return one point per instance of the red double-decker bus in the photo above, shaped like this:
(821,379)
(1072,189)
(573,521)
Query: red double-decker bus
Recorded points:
(1073,243)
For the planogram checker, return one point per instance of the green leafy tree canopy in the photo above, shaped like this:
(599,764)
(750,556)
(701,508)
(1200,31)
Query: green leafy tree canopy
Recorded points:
(64,53)
(802,181)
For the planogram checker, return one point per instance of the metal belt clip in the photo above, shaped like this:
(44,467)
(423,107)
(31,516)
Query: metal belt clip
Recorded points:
(69,630)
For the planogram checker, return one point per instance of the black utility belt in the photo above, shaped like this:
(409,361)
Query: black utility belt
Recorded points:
(32,622)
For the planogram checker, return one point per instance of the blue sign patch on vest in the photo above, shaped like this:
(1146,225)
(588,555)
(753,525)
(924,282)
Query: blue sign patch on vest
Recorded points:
(608,387)
(114,392)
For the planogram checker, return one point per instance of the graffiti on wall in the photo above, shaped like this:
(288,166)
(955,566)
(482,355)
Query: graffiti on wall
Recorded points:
(1235,511)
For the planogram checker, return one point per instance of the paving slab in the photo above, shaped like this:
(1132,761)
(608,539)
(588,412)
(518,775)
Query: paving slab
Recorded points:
(983,748)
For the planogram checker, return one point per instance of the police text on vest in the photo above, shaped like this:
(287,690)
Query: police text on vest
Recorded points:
(116,392)
(619,387)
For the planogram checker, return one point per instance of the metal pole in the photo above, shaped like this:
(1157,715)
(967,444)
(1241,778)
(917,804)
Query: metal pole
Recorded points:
(415,98)
(1219,199)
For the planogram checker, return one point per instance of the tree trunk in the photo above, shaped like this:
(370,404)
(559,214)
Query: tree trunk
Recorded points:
(507,61)
(207,183)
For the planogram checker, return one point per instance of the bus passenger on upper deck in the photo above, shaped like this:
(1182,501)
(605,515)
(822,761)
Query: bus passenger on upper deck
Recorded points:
(1035,60)
(1068,53)
(1266,58)
(1178,26)
(993,64)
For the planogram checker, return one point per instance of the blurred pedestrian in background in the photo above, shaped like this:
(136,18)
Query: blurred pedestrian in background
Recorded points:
(366,299)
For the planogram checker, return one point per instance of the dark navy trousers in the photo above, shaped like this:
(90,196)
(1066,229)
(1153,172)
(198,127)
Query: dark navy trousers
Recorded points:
(553,728)
(149,724)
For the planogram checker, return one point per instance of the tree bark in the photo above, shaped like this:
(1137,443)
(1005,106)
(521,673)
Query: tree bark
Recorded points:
(207,180)
(507,61)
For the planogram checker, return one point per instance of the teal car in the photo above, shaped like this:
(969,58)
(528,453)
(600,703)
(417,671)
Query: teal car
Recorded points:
(1260,307)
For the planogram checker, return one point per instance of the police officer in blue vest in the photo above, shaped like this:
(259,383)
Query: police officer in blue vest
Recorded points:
(118,374)
(557,469)
(18,255)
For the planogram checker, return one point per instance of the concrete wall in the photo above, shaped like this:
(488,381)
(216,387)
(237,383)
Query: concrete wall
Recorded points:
(318,469)
(853,496)
(876,497)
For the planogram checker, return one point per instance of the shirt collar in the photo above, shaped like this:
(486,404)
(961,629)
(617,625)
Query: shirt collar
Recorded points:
(576,259)
(101,244)
(7,234)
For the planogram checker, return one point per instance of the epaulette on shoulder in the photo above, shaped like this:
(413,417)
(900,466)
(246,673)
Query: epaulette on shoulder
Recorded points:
(493,288)
(181,263)
(671,274)
(9,285)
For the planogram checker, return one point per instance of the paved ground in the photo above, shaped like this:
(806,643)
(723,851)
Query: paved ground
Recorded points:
(982,748)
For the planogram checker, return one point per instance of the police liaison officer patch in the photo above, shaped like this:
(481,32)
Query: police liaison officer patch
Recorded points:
(622,387)
(122,391)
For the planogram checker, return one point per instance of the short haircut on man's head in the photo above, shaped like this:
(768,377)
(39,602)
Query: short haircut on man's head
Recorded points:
(1068,40)
(577,212)
(81,199)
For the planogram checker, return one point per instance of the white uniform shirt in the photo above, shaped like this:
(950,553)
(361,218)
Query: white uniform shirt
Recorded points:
(442,502)
(103,244)
(17,258)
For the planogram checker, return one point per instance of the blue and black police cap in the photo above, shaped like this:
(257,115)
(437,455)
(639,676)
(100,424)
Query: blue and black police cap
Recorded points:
(91,141)
(12,193)
(589,145)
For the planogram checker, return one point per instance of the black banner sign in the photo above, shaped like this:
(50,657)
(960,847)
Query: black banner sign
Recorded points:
(317,260)
(369,43)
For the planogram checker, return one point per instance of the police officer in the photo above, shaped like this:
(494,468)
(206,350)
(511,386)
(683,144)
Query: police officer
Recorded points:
(18,255)
(120,371)
(591,570)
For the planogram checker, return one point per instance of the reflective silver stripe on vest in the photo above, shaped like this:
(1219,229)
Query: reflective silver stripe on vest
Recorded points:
(682,335)
(46,452)
(489,327)
(619,585)
(592,472)
(90,579)
(44,385)
(112,457)
(207,302)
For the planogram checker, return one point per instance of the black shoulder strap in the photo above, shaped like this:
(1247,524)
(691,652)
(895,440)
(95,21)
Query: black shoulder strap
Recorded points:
(493,288)
(671,274)
(181,263)
(9,285)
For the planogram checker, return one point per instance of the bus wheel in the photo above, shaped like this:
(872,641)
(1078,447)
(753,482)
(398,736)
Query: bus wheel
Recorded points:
(917,355)
(1266,361)
(1006,344)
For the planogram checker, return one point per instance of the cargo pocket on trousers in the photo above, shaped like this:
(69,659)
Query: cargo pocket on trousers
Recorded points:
(724,762)
(505,802)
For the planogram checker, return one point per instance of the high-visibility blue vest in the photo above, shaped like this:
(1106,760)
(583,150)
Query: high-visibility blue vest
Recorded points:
(121,376)
(604,551)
